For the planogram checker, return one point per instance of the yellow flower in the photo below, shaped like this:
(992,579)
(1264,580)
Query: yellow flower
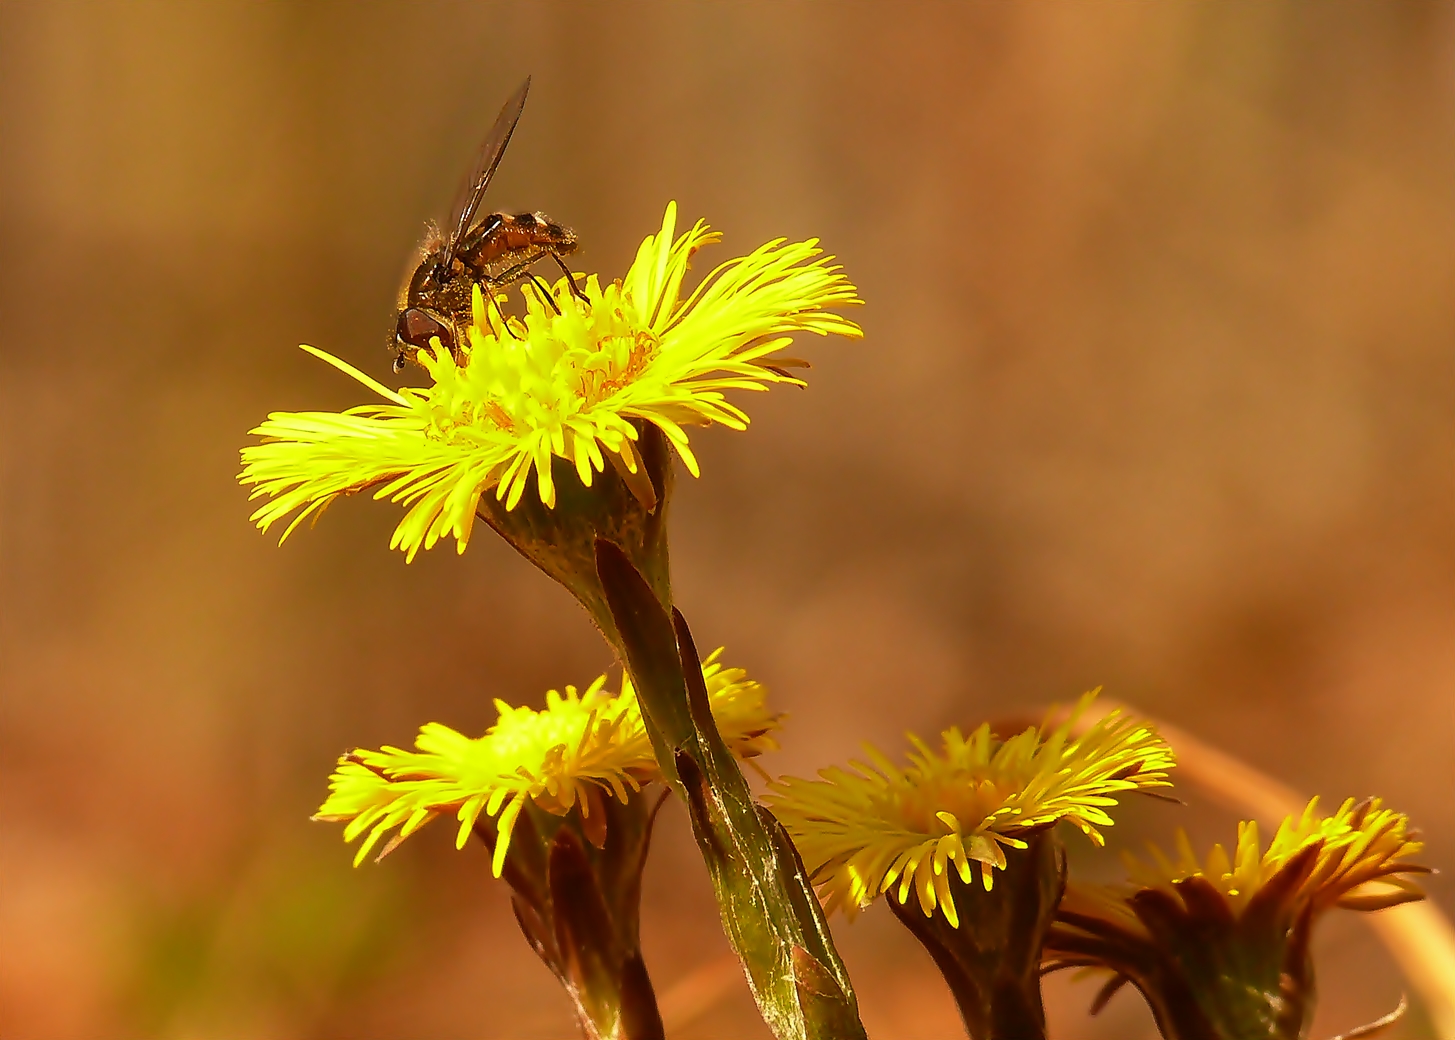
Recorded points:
(1234,931)
(882,829)
(1356,859)
(580,747)
(573,385)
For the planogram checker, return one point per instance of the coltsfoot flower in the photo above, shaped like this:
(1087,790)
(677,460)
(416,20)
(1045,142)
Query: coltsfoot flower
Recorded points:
(557,795)
(1220,946)
(977,801)
(880,828)
(584,746)
(574,382)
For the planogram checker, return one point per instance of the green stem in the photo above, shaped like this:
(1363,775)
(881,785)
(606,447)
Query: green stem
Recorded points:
(608,545)
(768,907)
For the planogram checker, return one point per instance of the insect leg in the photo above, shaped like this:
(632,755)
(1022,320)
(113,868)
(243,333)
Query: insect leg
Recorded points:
(487,289)
(544,290)
(575,289)
(522,271)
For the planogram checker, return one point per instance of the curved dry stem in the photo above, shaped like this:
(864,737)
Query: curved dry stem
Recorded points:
(1379,1025)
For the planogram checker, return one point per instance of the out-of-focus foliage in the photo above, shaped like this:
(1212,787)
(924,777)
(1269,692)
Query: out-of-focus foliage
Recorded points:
(269,946)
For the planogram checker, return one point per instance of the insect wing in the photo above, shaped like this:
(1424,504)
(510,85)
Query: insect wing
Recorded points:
(491,150)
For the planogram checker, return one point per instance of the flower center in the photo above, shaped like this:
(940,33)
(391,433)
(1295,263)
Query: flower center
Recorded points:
(618,362)
(968,797)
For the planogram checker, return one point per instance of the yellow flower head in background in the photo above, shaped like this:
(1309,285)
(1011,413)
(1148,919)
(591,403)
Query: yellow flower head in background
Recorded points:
(1235,931)
(580,747)
(1353,859)
(882,829)
(567,385)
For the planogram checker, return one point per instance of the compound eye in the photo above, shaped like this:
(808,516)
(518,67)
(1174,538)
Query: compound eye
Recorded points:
(416,327)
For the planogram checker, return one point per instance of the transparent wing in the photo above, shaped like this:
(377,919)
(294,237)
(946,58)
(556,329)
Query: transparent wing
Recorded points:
(473,190)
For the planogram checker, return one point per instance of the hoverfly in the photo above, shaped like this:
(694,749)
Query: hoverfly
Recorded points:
(496,252)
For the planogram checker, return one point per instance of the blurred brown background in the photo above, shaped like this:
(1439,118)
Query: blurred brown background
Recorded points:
(1157,392)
